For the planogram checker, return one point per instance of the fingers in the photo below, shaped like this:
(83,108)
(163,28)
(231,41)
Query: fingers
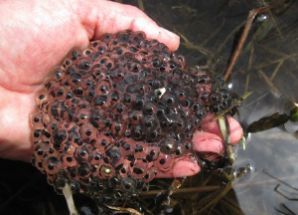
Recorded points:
(184,166)
(206,140)
(209,124)
(153,162)
(171,168)
(100,16)
(209,139)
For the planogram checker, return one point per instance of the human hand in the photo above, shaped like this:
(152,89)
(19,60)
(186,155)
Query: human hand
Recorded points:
(37,36)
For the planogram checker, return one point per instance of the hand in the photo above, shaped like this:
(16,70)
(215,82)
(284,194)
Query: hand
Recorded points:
(36,36)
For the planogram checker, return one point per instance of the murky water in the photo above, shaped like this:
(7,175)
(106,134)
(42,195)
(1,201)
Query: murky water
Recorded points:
(267,69)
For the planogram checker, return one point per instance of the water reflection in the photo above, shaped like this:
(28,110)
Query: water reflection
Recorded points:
(267,70)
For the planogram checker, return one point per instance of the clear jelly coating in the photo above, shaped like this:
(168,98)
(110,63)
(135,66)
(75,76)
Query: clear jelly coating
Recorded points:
(110,117)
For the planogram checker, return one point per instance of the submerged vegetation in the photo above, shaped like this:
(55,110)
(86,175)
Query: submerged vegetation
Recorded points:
(263,180)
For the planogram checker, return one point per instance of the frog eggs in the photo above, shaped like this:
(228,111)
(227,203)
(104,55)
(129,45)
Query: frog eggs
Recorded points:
(113,115)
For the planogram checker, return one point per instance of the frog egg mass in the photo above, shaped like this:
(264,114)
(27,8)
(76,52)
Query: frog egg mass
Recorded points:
(112,116)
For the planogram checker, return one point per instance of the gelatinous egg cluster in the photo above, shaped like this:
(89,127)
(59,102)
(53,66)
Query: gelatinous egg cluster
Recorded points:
(112,116)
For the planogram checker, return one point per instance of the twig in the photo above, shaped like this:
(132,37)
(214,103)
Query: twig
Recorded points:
(213,34)
(69,200)
(121,210)
(287,209)
(277,190)
(190,45)
(182,191)
(261,66)
(225,41)
(141,5)
(251,16)
(218,197)
(225,132)
(212,188)
(276,70)
(280,180)
(275,91)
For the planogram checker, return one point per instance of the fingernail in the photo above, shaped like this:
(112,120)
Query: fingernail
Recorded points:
(236,131)
(185,168)
(207,142)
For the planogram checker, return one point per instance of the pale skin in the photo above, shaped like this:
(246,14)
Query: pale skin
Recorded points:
(37,35)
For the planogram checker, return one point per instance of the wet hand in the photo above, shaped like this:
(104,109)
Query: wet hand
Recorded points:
(39,34)
(36,37)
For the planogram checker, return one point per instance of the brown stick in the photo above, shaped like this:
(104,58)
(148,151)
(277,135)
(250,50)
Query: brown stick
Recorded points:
(211,188)
(251,16)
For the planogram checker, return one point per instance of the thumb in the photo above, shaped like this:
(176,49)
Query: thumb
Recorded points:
(101,16)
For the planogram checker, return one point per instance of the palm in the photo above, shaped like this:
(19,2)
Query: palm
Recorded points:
(37,37)
(26,61)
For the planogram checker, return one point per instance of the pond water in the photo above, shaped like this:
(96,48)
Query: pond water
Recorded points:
(266,70)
